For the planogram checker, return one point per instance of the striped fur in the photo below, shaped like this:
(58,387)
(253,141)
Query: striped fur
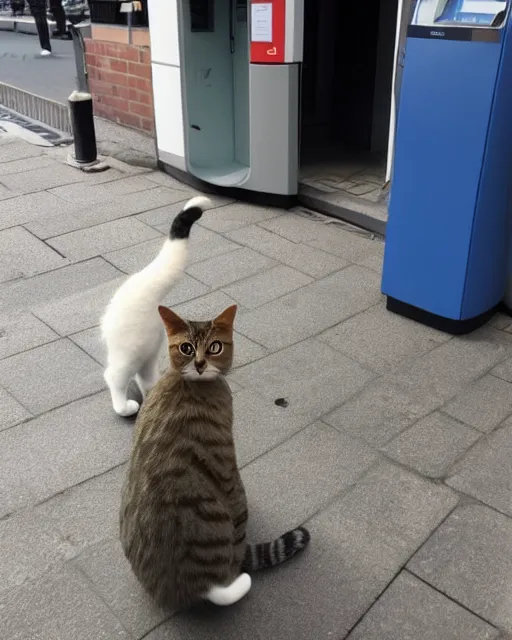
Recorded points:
(269,554)
(184,510)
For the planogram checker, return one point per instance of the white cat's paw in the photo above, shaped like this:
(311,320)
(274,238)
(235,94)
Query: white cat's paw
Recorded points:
(130,409)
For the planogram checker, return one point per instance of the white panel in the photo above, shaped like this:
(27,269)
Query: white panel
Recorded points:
(294,31)
(168,109)
(163,27)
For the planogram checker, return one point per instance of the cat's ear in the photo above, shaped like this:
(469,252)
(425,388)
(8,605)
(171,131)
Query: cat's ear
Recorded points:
(173,323)
(226,318)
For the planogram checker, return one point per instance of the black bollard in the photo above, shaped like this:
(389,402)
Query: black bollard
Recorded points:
(82,123)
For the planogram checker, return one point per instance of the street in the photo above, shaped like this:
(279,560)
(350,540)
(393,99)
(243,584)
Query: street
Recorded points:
(22,66)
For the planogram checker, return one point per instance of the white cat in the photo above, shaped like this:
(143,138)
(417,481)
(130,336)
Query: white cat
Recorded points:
(131,327)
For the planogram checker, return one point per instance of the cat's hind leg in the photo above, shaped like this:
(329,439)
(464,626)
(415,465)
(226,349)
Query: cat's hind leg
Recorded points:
(148,375)
(224,596)
(118,379)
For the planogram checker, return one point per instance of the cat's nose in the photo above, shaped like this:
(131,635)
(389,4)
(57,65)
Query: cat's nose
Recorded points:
(200,366)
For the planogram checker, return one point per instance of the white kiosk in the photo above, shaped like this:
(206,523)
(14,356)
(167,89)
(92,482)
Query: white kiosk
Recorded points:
(227,93)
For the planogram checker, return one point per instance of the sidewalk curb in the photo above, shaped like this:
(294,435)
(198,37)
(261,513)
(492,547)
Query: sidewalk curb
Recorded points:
(21,24)
(54,114)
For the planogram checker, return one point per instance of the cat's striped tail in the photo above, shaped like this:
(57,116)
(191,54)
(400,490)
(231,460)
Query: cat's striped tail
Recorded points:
(270,554)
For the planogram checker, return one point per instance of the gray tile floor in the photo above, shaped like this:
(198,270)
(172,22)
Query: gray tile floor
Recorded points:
(395,448)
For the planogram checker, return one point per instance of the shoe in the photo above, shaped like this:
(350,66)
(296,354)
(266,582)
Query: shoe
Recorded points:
(46,53)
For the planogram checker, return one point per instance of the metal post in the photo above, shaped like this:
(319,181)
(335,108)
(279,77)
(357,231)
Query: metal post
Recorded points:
(82,116)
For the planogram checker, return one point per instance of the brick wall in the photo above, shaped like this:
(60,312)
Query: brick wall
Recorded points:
(120,83)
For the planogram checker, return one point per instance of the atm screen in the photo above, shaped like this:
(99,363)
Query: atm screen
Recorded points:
(478,13)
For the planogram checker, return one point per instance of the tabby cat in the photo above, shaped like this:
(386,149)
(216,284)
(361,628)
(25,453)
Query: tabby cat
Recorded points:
(184,511)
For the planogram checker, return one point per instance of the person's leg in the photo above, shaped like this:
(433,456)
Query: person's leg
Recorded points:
(39,14)
(59,16)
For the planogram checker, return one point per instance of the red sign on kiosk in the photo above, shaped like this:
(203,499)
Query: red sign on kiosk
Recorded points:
(268,21)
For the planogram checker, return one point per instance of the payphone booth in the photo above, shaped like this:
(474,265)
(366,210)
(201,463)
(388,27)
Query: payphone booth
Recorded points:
(225,83)
(446,243)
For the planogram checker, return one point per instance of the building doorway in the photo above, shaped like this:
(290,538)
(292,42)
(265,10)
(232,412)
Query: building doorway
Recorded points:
(346,101)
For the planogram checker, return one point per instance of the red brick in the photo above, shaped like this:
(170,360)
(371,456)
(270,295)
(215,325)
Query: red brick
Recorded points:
(145,56)
(122,92)
(112,77)
(141,109)
(121,104)
(131,119)
(90,45)
(147,125)
(90,59)
(140,70)
(118,65)
(93,73)
(97,87)
(122,51)
(142,84)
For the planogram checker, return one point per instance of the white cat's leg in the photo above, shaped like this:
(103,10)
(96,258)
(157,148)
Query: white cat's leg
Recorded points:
(224,596)
(118,380)
(148,375)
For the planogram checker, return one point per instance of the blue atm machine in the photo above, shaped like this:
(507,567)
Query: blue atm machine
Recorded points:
(445,260)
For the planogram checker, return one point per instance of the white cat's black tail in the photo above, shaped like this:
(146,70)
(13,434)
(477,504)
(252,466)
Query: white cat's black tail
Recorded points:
(270,554)
(191,212)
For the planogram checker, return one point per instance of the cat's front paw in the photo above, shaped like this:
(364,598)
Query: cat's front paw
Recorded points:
(129,409)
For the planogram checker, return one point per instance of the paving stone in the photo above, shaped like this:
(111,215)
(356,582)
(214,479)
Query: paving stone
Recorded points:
(501,321)
(79,311)
(206,307)
(22,255)
(22,331)
(260,425)
(160,177)
(103,238)
(89,194)
(374,261)
(503,370)
(411,610)
(234,216)
(35,206)
(50,375)
(382,340)
(312,309)
(302,257)
(377,414)
(469,558)
(484,404)
(290,483)
(322,233)
(441,373)
(246,351)
(229,267)
(88,513)
(17,150)
(354,554)
(91,342)
(109,571)
(25,164)
(161,218)
(60,449)
(432,445)
(310,375)
(60,605)
(47,287)
(113,208)
(486,471)
(30,547)
(48,178)
(11,411)
(267,286)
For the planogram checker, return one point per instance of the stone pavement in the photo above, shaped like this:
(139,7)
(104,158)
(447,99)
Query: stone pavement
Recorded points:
(395,448)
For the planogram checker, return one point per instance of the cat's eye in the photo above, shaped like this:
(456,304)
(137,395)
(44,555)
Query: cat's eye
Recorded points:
(187,349)
(215,348)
